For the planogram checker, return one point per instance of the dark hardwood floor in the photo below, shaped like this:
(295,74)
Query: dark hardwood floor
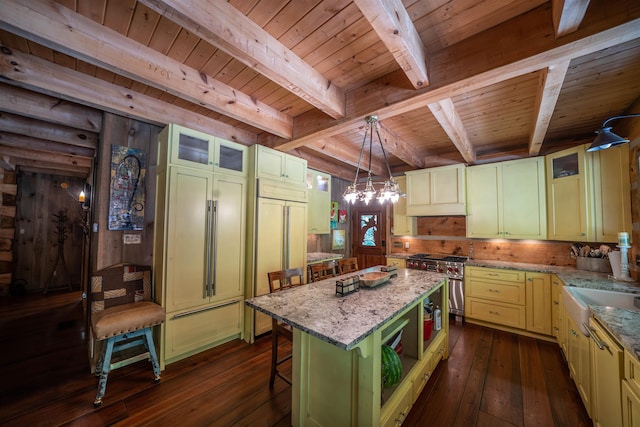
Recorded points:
(491,378)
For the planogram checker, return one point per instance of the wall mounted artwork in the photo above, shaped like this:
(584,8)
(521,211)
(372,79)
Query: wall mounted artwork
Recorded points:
(127,198)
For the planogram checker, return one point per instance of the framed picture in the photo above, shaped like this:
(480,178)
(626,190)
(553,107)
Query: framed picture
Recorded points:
(337,239)
(126,201)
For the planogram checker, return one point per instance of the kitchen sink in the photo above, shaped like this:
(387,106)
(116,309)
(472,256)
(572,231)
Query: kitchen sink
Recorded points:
(577,300)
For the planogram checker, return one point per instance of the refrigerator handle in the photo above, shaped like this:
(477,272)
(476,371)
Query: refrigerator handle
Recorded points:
(215,248)
(208,249)
(286,238)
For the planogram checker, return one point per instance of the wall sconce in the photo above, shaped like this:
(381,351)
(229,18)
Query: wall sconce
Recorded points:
(84,198)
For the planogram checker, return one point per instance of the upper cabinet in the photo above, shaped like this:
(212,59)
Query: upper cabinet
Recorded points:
(507,200)
(567,195)
(403,225)
(199,150)
(276,165)
(319,207)
(588,194)
(611,193)
(436,191)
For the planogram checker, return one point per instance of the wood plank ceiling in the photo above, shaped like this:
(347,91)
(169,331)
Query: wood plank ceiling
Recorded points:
(451,80)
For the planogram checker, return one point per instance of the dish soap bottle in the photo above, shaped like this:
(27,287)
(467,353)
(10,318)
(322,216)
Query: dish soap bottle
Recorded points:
(437,318)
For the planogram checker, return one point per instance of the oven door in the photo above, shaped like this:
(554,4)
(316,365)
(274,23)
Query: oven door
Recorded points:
(456,297)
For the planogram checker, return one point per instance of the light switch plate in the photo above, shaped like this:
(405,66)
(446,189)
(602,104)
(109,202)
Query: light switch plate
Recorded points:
(131,239)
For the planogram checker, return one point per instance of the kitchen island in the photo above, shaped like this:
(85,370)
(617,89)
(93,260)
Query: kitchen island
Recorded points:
(337,346)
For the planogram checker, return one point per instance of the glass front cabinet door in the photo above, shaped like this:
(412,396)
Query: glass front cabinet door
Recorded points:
(199,150)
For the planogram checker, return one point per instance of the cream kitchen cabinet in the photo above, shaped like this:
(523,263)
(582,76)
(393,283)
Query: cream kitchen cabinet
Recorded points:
(539,303)
(588,194)
(510,299)
(631,391)
(507,200)
(403,225)
(194,149)
(199,243)
(607,372)
(398,262)
(319,208)
(611,194)
(278,166)
(579,361)
(556,314)
(276,229)
(436,191)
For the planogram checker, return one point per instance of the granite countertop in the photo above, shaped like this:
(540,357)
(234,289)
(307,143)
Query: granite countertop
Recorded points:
(623,323)
(316,257)
(345,321)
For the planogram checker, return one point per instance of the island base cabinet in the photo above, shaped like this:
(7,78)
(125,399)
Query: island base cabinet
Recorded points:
(336,387)
(192,331)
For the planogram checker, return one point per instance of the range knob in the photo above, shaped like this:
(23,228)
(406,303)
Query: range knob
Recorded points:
(440,269)
(456,270)
(423,266)
(449,269)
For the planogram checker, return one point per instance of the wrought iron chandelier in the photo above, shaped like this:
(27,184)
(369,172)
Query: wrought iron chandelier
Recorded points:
(389,190)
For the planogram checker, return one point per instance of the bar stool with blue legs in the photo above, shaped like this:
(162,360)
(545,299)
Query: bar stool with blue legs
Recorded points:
(122,318)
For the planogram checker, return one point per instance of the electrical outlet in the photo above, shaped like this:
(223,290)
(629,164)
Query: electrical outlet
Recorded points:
(406,245)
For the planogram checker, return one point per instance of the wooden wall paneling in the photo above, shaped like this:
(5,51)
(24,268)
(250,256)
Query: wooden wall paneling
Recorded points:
(40,196)
(107,246)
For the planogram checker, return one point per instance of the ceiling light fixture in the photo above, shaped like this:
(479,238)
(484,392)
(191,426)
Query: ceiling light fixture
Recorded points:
(387,190)
(606,138)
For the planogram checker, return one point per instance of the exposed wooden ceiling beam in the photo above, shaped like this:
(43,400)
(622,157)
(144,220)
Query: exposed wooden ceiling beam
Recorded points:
(43,169)
(27,142)
(470,72)
(46,156)
(550,83)
(47,131)
(397,146)
(567,15)
(29,71)
(349,154)
(334,168)
(222,25)
(47,108)
(395,28)
(445,113)
(61,29)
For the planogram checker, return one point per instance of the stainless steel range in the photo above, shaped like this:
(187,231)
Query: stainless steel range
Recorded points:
(453,267)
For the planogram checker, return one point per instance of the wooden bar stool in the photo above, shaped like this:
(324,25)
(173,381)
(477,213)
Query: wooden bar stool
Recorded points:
(348,265)
(122,318)
(321,271)
(278,281)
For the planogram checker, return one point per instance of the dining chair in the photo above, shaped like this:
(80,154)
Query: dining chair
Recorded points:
(278,281)
(348,265)
(321,271)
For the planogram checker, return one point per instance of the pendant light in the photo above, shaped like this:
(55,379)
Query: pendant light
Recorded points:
(606,138)
(389,190)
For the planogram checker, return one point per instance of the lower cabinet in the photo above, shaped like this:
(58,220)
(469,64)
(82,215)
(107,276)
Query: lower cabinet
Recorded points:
(513,299)
(631,391)
(578,358)
(187,332)
(398,262)
(607,371)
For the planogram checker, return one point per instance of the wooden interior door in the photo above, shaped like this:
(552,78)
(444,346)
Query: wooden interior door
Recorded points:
(369,235)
